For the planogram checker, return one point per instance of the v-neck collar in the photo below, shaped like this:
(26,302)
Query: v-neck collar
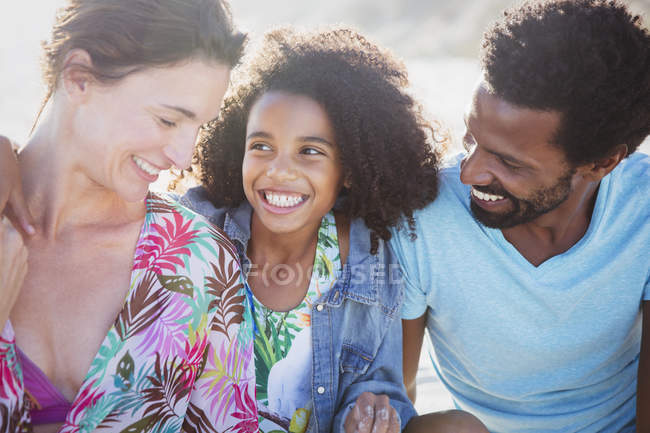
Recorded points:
(552,262)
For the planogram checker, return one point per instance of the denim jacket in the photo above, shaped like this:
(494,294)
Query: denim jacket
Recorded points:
(356,326)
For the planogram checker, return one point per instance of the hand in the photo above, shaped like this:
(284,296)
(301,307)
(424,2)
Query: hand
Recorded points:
(12,201)
(13,267)
(372,413)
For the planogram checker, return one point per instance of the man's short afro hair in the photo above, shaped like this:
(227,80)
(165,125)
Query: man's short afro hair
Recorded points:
(587,59)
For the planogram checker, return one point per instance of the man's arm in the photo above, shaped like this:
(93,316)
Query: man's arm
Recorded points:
(412,335)
(643,379)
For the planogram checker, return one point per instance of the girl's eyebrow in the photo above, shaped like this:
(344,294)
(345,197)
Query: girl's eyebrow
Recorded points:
(316,139)
(259,134)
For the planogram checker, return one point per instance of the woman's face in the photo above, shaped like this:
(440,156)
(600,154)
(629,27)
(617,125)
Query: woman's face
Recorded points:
(145,123)
(291,171)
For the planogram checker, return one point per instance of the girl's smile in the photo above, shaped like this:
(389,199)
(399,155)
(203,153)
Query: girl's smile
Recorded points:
(291,171)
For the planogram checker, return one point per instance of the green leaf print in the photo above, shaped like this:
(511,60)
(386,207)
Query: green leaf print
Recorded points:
(109,350)
(143,425)
(177,283)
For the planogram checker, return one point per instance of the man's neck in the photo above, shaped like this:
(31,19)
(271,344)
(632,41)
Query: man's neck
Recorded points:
(556,231)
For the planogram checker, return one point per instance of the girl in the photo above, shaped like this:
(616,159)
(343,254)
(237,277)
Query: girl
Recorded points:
(129,317)
(318,151)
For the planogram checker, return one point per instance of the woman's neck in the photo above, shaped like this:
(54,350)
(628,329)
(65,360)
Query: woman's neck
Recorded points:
(59,193)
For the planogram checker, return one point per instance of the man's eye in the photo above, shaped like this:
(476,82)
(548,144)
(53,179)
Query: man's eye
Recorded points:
(510,165)
(468,142)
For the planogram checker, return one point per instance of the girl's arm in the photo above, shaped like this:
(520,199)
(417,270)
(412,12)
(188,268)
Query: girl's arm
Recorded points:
(12,201)
(383,377)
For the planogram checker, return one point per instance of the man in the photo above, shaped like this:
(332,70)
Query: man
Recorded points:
(531,269)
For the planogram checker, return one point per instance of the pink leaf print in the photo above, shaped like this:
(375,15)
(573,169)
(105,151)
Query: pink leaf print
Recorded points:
(161,248)
(194,356)
(166,336)
(245,410)
(85,399)
(9,386)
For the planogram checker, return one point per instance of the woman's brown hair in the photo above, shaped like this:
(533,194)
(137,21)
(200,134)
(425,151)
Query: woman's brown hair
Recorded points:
(123,36)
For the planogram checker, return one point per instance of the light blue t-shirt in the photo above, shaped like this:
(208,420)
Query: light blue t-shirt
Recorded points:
(553,348)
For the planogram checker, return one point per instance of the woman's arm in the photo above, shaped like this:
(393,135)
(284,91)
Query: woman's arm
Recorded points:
(12,201)
(13,268)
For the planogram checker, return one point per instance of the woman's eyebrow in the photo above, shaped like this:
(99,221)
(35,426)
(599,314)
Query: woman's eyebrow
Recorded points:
(185,112)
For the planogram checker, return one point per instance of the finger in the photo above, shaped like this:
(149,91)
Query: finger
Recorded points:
(20,211)
(394,426)
(382,414)
(366,412)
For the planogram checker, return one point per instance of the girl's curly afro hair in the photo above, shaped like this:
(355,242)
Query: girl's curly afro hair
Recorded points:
(386,146)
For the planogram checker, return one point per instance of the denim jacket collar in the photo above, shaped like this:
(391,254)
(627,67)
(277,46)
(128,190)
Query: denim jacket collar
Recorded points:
(360,275)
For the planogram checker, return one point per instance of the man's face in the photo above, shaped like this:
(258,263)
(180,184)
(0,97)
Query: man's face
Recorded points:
(515,171)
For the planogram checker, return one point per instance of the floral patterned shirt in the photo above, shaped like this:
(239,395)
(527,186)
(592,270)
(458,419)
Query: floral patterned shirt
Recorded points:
(283,344)
(179,354)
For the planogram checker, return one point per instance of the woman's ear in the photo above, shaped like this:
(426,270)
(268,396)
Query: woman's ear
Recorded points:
(76,74)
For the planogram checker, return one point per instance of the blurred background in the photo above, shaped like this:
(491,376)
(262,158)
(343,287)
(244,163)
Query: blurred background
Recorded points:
(438,40)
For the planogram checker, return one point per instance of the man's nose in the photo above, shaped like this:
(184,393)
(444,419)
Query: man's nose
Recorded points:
(474,169)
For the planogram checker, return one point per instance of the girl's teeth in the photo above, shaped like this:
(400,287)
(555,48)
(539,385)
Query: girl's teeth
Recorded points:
(146,167)
(282,200)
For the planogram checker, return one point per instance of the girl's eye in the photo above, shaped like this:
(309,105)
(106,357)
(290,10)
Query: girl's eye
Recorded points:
(311,151)
(167,123)
(260,146)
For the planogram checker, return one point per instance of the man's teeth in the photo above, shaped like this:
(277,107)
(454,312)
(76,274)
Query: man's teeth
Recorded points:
(145,166)
(281,200)
(486,197)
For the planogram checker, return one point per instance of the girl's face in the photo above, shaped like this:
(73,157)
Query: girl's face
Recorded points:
(291,171)
(147,122)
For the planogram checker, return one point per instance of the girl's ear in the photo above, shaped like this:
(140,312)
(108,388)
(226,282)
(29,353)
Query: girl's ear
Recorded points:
(76,74)
(347,183)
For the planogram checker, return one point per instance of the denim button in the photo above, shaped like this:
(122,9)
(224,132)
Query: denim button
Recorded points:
(321,389)
(319,307)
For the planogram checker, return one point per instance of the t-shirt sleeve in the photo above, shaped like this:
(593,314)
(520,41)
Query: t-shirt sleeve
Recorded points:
(415,299)
(646,289)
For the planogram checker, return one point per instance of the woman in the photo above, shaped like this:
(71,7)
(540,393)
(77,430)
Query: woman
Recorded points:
(130,83)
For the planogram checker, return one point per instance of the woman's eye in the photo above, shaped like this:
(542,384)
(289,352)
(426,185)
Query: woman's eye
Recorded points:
(167,123)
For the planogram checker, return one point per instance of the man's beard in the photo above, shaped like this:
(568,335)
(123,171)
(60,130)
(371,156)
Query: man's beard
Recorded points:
(524,210)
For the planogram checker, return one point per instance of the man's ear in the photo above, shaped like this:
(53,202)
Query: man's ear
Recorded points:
(76,73)
(600,168)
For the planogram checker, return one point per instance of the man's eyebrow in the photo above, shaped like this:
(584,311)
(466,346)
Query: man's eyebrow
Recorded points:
(259,134)
(187,113)
(507,158)
(316,139)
